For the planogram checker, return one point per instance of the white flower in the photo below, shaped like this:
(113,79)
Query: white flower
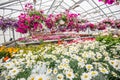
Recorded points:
(65,61)
(85,55)
(103,70)
(86,76)
(41,77)
(98,55)
(9,65)
(60,77)
(107,58)
(70,75)
(115,63)
(13,72)
(93,73)
(55,71)
(81,64)
(60,67)
(114,74)
(49,71)
(89,66)
(4,73)
(32,77)
(112,62)
(21,51)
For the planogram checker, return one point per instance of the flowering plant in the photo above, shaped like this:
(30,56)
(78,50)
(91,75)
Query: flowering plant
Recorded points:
(117,23)
(31,20)
(66,20)
(108,22)
(7,52)
(6,23)
(91,26)
(110,1)
(101,26)
(75,61)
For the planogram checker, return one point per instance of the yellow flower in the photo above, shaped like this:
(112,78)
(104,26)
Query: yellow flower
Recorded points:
(2,48)
(89,67)
(103,70)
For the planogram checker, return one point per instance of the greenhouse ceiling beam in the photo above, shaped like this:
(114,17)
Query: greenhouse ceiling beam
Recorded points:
(51,6)
(10,13)
(21,5)
(8,2)
(80,1)
(57,6)
(99,8)
(107,13)
(92,8)
(11,9)
(111,11)
(40,4)
(68,6)
(11,4)
(86,11)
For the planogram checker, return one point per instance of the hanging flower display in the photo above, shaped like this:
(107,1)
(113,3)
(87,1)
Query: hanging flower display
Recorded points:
(31,20)
(91,26)
(101,26)
(117,23)
(110,1)
(6,23)
(108,22)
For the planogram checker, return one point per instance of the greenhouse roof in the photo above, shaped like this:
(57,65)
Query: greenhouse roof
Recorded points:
(92,10)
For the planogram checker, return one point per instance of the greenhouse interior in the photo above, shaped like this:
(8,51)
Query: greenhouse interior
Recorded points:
(59,39)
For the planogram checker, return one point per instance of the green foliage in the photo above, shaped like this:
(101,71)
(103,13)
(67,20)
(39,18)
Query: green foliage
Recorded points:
(25,74)
(108,40)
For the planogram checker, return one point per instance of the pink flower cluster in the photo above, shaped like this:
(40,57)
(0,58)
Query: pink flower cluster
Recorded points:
(108,1)
(66,19)
(28,7)
(30,21)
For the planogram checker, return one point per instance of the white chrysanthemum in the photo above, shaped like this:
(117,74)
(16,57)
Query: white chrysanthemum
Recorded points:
(60,67)
(86,76)
(98,55)
(80,59)
(41,77)
(4,73)
(32,77)
(55,71)
(89,66)
(81,64)
(85,55)
(112,62)
(13,72)
(60,77)
(114,74)
(21,51)
(103,70)
(49,71)
(107,58)
(70,75)
(65,61)
(93,73)
(9,65)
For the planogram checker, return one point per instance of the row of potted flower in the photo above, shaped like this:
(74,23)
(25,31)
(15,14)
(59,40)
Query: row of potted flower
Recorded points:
(77,61)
